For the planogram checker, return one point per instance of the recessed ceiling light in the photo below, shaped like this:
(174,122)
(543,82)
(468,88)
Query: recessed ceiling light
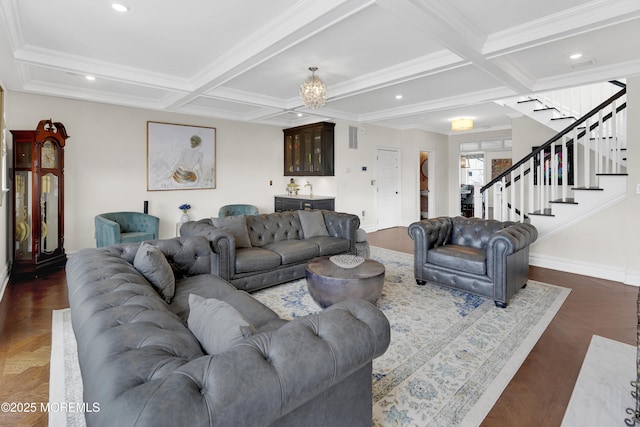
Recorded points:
(398,96)
(576,56)
(119,7)
(90,78)
(299,114)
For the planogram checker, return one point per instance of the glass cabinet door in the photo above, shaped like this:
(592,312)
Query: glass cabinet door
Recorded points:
(23,186)
(288,154)
(49,203)
(316,151)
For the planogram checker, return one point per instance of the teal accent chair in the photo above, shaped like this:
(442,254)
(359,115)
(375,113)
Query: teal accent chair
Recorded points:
(122,227)
(231,210)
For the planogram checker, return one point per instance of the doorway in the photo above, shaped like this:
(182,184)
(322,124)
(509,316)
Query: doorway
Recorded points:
(471,175)
(424,185)
(388,187)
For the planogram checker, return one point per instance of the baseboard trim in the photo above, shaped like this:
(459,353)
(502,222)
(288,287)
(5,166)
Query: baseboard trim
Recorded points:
(4,278)
(586,269)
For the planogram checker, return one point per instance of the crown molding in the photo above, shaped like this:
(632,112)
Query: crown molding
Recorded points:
(75,64)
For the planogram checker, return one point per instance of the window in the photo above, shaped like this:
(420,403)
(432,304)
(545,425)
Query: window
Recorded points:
(472,168)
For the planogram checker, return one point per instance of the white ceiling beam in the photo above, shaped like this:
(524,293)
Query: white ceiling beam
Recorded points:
(446,25)
(304,20)
(570,22)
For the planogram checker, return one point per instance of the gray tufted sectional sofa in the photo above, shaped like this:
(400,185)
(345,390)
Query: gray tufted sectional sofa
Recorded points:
(278,250)
(485,257)
(144,367)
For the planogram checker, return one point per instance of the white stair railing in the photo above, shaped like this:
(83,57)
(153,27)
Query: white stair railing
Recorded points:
(574,102)
(594,144)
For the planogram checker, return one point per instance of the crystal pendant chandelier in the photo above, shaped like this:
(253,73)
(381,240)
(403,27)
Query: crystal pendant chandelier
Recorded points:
(312,91)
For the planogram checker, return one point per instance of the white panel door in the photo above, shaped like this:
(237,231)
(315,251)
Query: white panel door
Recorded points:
(388,187)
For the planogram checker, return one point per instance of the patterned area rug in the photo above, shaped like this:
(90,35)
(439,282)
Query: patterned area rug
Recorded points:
(451,353)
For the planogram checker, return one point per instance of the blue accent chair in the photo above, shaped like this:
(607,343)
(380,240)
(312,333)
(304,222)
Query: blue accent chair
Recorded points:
(231,210)
(122,227)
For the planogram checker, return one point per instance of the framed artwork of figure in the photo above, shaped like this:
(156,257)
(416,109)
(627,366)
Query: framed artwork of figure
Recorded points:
(180,157)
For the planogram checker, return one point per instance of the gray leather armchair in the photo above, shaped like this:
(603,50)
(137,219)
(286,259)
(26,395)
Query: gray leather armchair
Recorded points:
(125,227)
(485,257)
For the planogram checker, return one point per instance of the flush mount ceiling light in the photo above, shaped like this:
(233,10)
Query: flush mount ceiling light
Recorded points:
(313,92)
(90,78)
(461,124)
(576,56)
(119,7)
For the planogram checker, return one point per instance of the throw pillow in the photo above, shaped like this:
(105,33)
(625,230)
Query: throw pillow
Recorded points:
(312,224)
(217,325)
(237,226)
(153,265)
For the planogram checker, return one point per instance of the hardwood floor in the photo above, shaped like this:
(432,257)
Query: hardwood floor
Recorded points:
(537,395)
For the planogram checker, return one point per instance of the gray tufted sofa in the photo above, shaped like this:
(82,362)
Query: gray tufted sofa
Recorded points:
(485,257)
(279,250)
(142,365)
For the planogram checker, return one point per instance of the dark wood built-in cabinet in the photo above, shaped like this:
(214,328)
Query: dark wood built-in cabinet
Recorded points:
(295,203)
(38,198)
(308,150)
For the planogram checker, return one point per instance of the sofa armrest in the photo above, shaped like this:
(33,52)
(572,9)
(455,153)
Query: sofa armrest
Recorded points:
(107,232)
(266,376)
(507,241)
(222,244)
(344,225)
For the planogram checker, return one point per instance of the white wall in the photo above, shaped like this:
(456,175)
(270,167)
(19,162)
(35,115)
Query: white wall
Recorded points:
(105,165)
(7,247)
(106,171)
(528,133)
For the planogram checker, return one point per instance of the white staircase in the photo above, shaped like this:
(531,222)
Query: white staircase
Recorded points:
(560,108)
(612,189)
(579,172)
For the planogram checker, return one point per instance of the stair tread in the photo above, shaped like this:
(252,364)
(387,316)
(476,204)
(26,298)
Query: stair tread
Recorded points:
(568,201)
(612,174)
(546,109)
(588,188)
(563,118)
(528,100)
(538,213)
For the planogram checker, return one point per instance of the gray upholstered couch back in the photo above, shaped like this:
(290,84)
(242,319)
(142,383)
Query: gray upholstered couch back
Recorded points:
(474,232)
(143,366)
(268,228)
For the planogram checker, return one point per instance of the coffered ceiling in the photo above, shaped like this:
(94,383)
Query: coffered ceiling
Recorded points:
(245,59)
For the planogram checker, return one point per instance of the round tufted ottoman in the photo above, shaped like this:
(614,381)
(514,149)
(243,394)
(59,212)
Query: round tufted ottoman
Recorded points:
(329,284)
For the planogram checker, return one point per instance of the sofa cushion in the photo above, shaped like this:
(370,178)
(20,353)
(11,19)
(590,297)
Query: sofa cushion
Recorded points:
(261,317)
(237,226)
(461,258)
(330,245)
(312,224)
(293,251)
(153,265)
(256,259)
(217,325)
